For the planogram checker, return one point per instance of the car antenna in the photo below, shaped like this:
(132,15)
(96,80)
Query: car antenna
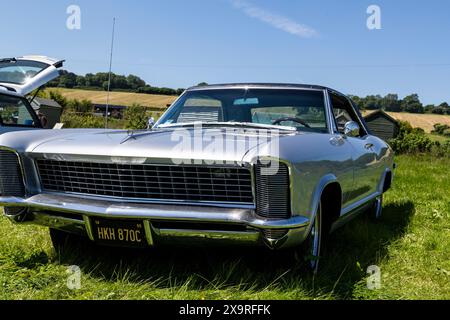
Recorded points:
(109,77)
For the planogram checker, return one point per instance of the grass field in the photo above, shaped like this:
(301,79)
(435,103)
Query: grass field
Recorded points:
(117,98)
(411,245)
(438,138)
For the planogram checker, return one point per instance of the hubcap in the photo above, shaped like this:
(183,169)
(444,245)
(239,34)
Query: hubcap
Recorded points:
(378,207)
(316,239)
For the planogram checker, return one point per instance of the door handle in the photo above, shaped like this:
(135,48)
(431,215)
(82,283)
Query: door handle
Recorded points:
(369,146)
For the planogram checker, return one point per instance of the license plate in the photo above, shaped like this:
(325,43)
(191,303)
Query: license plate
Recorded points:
(124,233)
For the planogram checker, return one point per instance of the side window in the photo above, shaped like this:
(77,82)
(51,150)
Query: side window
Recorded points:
(343,112)
(14,112)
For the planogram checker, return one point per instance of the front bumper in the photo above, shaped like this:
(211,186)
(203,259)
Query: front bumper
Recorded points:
(218,224)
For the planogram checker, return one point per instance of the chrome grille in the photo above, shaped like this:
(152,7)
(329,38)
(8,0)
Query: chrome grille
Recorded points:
(11,181)
(148,181)
(272,192)
(275,234)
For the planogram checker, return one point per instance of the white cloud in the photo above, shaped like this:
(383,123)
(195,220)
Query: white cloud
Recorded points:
(277,21)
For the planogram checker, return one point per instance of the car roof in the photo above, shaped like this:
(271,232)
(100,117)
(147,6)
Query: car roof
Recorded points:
(260,85)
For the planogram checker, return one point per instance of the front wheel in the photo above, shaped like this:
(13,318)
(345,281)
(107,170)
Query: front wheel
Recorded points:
(312,246)
(376,208)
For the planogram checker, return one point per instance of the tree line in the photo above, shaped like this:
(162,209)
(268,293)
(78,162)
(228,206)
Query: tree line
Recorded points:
(99,81)
(132,83)
(393,103)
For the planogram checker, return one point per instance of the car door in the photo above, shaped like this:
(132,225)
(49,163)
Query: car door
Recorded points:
(25,74)
(363,147)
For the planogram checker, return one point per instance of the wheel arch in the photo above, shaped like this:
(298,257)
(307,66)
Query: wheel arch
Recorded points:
(330,188)
(386,180)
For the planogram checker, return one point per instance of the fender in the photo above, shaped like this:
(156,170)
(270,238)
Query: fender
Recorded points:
(383,180)
(323,183)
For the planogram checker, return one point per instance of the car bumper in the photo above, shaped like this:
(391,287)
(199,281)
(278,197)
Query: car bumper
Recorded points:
(163,223)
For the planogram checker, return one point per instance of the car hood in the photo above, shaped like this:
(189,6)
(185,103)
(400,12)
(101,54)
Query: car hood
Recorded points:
(212,144)
(12,129)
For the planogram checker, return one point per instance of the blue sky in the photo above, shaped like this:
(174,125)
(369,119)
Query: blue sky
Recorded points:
(178,43)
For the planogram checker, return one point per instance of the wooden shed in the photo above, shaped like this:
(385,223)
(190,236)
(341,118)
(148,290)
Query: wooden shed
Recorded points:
(50,109)
(382,125)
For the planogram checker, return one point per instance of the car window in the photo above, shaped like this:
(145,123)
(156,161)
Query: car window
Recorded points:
(252,105)
(14,112)
(202,109)
(343,112)
(19,72)
(313,116)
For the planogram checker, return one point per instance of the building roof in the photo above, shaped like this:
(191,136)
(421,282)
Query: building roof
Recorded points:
(380,113)
(38,102)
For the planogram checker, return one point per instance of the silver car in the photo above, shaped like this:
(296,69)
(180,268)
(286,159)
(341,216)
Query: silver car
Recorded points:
(18,78)
(274,165)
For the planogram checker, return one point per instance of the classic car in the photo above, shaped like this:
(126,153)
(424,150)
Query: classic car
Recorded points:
(272,165)
(18,78)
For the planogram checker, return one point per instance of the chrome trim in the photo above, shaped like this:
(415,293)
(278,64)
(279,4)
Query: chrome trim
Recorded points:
(152,201)
(148,232)
(256,86)
(87,223)
(21,166)
(354,206)
(291,169)
(329,113)
(152,212)
(229,204)
(52,221)
(241,236)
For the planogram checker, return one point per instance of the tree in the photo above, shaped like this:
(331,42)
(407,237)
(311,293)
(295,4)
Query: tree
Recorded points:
(136,117)
(438,110)
(445,108)
(68,80)
(357,101)
(81,106)
(59,98)
(80,81)
(373,102)
(391,103)
(134,82)
(412,104)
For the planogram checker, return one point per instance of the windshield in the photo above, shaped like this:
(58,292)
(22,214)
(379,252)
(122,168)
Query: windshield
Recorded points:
(301,109)
(16,112)
(19,72)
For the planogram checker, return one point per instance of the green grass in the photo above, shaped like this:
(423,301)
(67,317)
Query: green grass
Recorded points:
(411,245)
(438,138)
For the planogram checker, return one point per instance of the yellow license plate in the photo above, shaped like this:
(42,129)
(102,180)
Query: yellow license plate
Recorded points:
(129,233)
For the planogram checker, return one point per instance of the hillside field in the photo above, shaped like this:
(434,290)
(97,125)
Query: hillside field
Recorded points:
(117,98)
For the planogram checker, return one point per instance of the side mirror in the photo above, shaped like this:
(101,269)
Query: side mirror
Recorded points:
(351,129)
(150,123)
